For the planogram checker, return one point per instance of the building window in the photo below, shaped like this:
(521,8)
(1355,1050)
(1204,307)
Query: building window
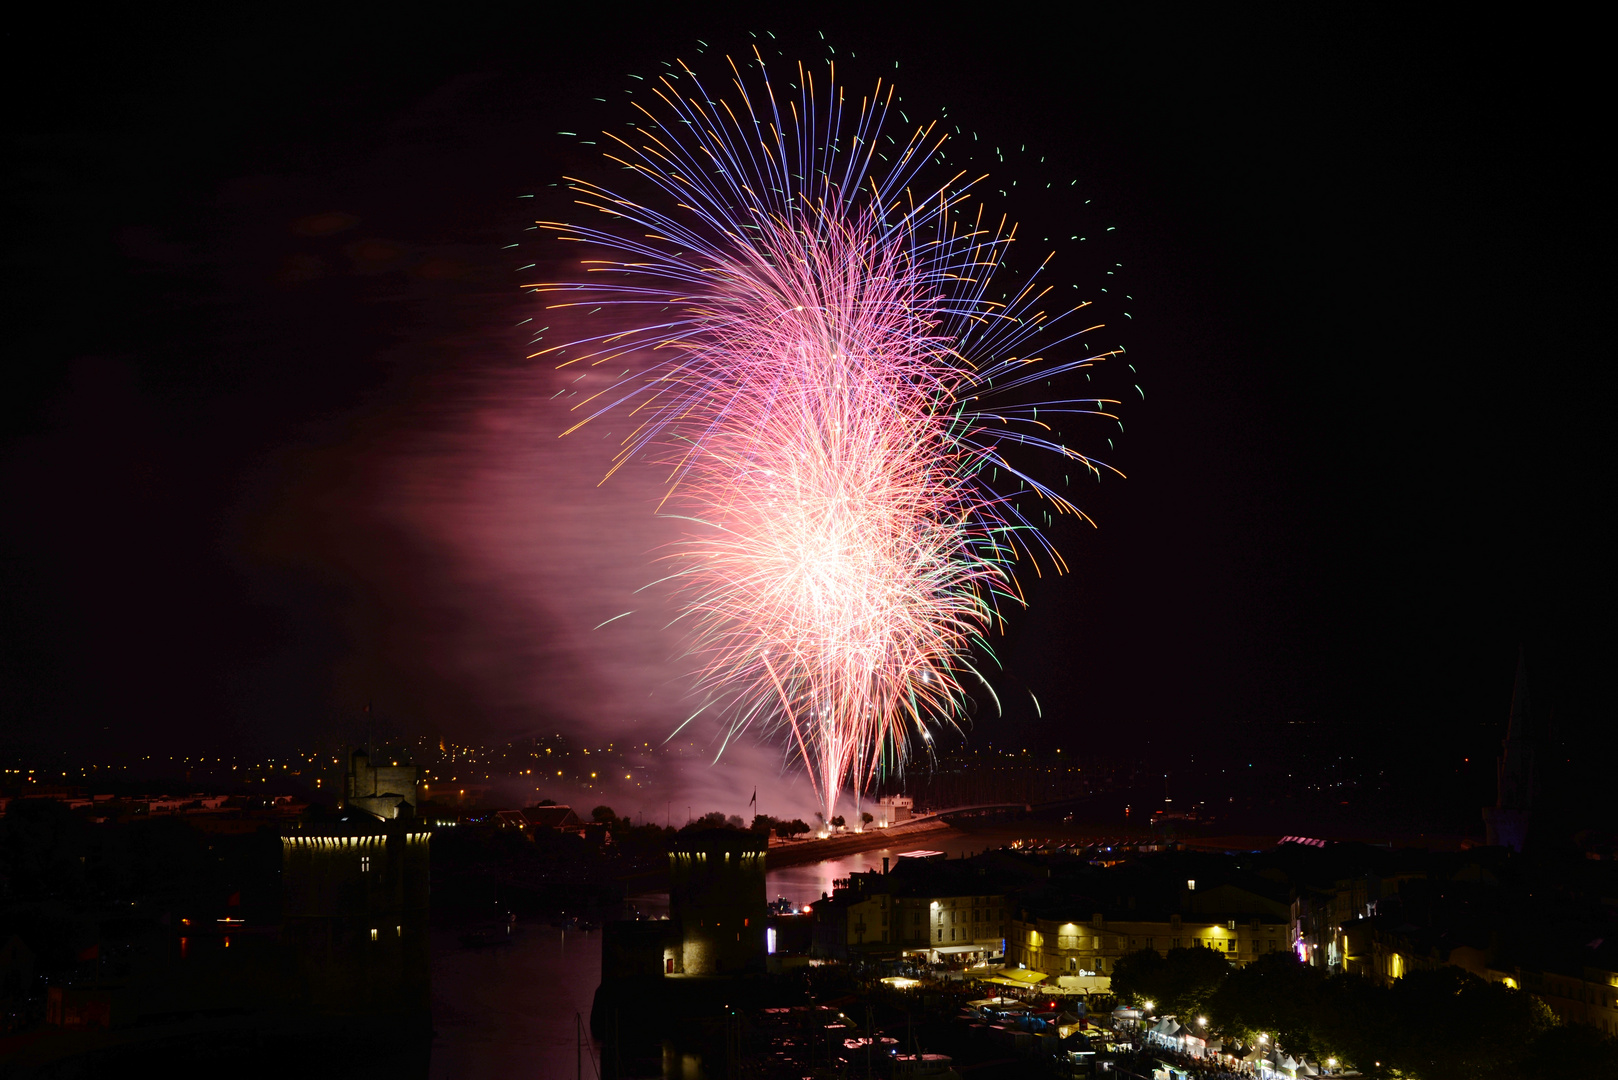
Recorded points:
(941,935)
(365,864)
(373,933)
(1176,944)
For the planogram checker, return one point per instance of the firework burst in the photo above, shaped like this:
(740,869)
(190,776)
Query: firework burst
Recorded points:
(809,345)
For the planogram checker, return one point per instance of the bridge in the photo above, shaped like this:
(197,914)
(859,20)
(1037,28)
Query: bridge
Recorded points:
(980,810)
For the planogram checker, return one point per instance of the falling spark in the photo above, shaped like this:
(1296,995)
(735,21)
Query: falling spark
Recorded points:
(817,358)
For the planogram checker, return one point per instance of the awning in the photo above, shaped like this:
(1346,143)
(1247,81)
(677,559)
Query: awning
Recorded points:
(1025,976)
(954,950)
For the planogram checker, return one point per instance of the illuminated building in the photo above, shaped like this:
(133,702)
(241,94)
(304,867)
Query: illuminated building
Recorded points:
(1080,952)
(939,910)
(716,897)
(1079,947)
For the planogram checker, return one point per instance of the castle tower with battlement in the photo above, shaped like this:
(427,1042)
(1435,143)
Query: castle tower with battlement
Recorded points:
(716,894)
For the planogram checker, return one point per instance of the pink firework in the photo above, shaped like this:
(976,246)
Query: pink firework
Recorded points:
(811,350)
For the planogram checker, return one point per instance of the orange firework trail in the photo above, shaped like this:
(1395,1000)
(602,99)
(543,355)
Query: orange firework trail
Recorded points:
(812,350)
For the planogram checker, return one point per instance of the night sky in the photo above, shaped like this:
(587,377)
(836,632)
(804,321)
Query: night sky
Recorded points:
(270,449)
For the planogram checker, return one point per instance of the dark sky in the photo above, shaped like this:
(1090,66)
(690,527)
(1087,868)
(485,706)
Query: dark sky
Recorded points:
(270,449)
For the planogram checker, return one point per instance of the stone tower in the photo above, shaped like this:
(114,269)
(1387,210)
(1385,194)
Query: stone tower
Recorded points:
(716,892)
(384,790)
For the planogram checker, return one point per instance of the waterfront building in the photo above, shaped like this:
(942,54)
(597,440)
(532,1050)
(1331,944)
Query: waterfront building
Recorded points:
(1078,939)
(935,910)
(354,897)
(549,817)
(354,914)
(716,900)
(894,810)
(1080,952)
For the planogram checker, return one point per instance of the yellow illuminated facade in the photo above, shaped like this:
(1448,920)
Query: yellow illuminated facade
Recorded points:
(1085,953)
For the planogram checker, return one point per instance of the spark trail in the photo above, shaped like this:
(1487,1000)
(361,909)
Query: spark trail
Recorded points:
(809,345)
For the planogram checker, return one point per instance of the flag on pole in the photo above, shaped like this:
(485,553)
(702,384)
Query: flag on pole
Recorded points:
(754,801)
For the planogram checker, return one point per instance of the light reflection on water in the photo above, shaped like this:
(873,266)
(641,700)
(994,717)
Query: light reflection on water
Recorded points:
(806,884)
(508,1012)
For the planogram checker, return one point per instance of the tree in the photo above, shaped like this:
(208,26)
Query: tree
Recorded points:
(1276,994)
(763,823)
(866,818)
(837,822)
(795,827)
(1454,1026)
(714,819)
(1137,977)
(1571,1050)
(1194,976)
(1356,1022)
(604,813)
(1179,984)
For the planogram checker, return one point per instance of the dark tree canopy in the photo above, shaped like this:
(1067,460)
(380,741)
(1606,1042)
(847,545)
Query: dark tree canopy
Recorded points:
(1277,995)
(1179,984)
(1442,1024)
